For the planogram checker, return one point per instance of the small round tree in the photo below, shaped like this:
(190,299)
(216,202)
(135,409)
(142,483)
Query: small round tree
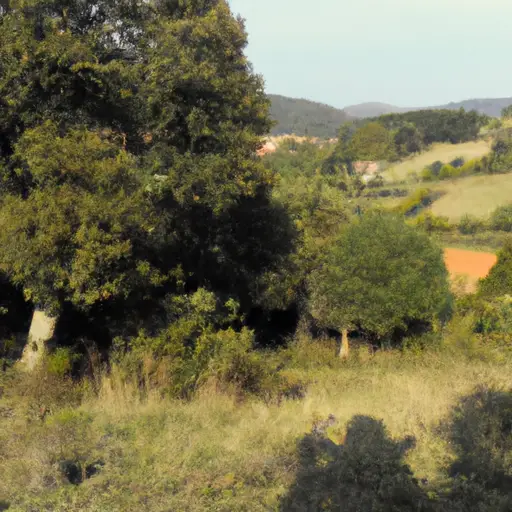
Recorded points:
(378,276)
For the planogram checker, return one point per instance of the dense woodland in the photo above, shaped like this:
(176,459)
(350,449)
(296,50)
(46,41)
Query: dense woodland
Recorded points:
(171,263)
(304,118)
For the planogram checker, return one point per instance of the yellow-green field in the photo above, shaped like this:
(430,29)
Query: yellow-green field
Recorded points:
(442,152)
(476,195)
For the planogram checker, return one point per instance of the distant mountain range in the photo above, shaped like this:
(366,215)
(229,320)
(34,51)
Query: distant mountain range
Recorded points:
(490,106)
(304,117)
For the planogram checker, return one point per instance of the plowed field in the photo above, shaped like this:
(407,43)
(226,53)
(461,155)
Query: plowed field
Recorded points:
(474,265)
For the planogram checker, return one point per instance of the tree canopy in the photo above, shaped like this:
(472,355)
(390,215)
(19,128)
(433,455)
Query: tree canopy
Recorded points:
(499,281)
(378,276)
(128,139)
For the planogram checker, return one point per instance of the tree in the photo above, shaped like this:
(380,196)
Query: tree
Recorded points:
(372,142)
(408,139)
(499,281)
(80,233)
(501,218)
(128,139)
(378,276)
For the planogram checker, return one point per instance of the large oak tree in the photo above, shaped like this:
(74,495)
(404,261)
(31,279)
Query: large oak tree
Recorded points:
(128,134)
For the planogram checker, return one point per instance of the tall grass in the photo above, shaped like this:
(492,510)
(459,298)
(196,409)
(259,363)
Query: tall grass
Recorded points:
(141,451)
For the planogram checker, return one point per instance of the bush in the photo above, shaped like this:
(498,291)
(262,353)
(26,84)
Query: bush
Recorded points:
(447,172)
(427,175)
(457,162)
(430,222)
(417,201)
(501,219)
(499,281)
(436,167)
(468,168)
(469,225)
(493,316)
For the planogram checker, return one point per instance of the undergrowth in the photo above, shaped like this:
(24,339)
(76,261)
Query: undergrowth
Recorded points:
(402,427)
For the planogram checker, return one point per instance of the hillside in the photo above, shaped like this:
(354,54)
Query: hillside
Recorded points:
(309,118)
(303,117)
(489,106)
(372,109)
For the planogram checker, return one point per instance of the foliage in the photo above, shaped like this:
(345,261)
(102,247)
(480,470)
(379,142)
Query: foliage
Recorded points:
(408,140)
(371,142)
(499,280)
(453,126)
(379,275)
(501,218)
(419,199)
(80,228)
(457,162)
(500,160)
(158,103)
(431,223)
(469,225)
(447,172)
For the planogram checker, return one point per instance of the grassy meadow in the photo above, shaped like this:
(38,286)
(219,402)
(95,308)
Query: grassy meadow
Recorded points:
(474,195)
(222,452)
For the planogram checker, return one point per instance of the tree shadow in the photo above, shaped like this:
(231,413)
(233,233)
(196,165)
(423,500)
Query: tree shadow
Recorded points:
(479,430)
(366,473)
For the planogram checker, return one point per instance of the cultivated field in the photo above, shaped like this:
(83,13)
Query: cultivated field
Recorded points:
(468,265)
(442,152)
(476,195)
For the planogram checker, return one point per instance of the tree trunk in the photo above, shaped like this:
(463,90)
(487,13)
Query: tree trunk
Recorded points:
(344,348)
(41,331)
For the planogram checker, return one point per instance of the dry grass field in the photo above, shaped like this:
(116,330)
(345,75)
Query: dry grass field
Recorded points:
(219,454)
(475,195)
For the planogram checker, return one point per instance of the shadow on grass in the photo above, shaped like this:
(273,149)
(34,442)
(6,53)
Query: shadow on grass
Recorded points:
(479,431)
(366,473)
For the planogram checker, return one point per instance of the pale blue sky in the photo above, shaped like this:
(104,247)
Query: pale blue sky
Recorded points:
(404,52)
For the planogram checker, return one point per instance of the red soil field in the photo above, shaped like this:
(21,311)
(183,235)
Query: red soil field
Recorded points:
(471,263)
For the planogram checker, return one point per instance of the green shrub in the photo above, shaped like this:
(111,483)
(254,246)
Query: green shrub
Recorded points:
(469,225)
(418,200)
(457,162)
(427,175)
(499,281)
(60,362)
(430,222)
(436,167)
(501,219)
(447,172)
(468,168)
(494,316)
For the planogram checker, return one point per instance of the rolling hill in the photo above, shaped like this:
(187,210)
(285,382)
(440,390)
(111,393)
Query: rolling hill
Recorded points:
(373,109)
(489,106)
(309,118)
(303,117)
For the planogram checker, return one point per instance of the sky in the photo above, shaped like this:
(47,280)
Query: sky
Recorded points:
(405,52)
